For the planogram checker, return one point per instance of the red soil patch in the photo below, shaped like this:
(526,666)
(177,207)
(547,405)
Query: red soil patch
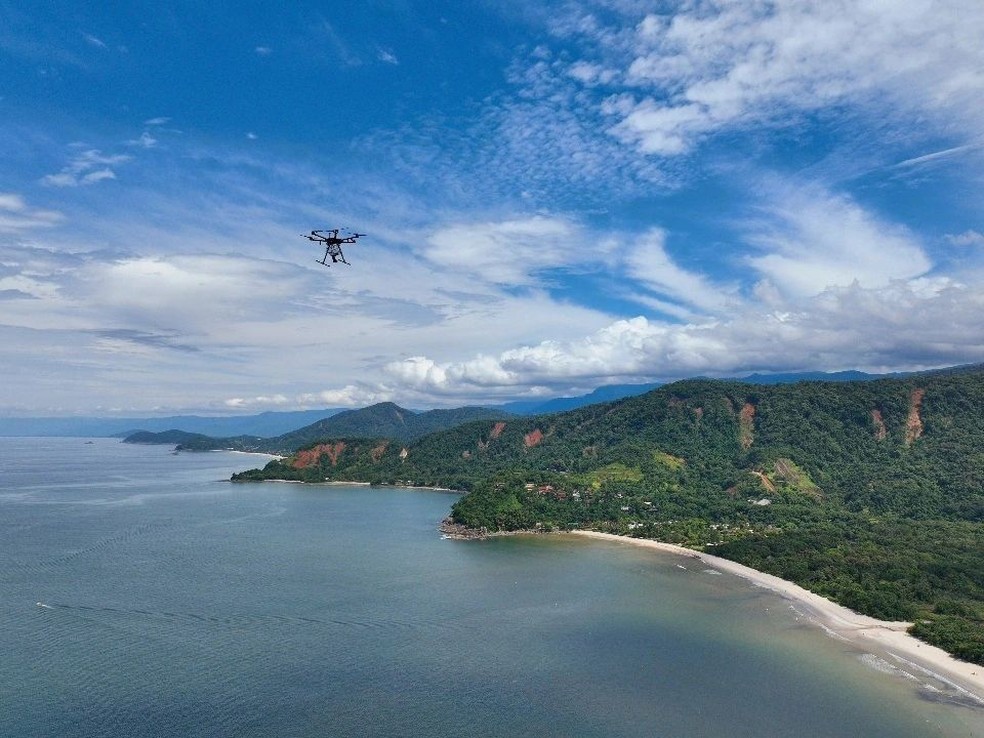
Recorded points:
(880,431)
(497,430)
(377,453)
(746,425)
(913,423)
(766,482)
(310,457)
(533,438)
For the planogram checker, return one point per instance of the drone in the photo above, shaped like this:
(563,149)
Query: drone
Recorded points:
(332,242)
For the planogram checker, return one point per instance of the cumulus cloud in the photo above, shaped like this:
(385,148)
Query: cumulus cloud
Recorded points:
(921,323)
(348,396)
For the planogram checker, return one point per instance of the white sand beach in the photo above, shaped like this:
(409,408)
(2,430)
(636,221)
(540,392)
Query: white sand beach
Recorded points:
(909,654)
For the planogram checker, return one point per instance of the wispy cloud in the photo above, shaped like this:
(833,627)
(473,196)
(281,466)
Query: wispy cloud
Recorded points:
(651,266)
(144,338)
(505,252)
(340,49)
(967,238)
(94,41)
(87,168)
(17,216)
(937,156)
(811,240)
(387,57)
(146,141)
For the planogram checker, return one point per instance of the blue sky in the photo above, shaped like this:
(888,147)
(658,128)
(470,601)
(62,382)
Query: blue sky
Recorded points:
(557,197)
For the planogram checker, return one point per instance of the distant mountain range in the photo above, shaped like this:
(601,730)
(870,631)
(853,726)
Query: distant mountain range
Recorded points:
(272,424)
(263,424)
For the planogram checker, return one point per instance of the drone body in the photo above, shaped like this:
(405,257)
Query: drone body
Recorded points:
(332,242)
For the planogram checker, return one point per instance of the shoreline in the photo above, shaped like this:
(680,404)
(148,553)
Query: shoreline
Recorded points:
(249,453)
(964,678)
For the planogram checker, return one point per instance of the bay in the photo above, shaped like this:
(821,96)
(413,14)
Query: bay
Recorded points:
(141,594)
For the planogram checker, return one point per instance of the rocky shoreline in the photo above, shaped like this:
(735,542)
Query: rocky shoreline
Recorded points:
(457,531)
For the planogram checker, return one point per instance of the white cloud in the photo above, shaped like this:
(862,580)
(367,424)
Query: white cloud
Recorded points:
(261,401)
(87,168)
(814,240)
(195,292)
(967,238)
(97,175)
(387,57)
(263,50)
(349,396)
(17,216)
(903,324)
(157,121)
(506,252)
(712,64)
(93,41)
(937,156)
(590,74)
(650,264)
(146,141)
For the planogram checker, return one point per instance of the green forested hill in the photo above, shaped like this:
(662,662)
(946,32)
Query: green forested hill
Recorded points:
(382,420)
(870,493)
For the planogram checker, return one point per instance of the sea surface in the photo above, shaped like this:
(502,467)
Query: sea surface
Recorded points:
(142,594)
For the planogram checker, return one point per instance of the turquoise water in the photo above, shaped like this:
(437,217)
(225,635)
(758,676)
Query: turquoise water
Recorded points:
(174,603)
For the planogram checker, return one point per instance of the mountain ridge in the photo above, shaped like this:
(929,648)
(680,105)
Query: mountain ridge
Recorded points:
(273,423)
(384,419)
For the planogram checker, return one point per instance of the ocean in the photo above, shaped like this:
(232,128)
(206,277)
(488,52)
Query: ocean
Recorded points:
(142,594)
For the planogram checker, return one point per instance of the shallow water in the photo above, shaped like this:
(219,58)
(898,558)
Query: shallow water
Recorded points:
(175,603)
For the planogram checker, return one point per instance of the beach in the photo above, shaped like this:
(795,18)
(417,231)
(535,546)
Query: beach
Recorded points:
(910,656)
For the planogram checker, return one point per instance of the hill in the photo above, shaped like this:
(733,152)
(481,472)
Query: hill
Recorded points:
(389,420)
(870,493)
(167,437)
(385,420)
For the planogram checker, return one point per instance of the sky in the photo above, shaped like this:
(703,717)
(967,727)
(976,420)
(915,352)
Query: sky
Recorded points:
(556,195)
